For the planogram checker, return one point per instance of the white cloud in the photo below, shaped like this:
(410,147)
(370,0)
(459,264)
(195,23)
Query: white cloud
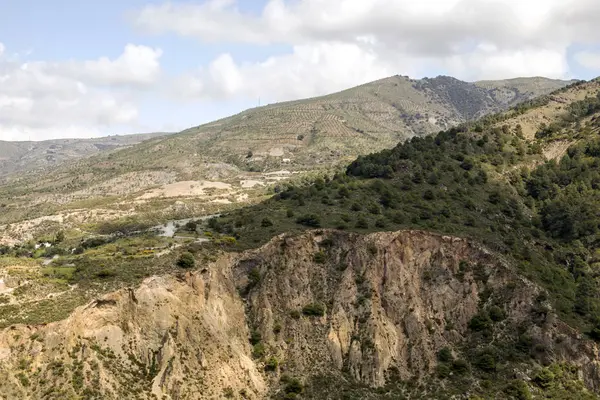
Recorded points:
(137,65)
(321,68)
(41,100)
(588,59)
(337,44)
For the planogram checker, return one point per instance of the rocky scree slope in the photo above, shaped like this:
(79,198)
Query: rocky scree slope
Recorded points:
(374,310)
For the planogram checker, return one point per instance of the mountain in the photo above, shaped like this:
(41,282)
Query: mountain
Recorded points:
(18,157)
(356,121)
(460,265)
(261,146)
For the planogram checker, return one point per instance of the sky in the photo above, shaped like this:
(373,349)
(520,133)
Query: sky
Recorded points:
(74,68)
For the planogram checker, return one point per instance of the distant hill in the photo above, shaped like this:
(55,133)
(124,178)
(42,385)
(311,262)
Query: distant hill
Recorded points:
(23,156)
(356,121)
(245,150)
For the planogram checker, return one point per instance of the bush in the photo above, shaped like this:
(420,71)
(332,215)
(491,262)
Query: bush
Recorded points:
(518,390)
(460,366)
(480,322)
(544,378)
(255,337)
(271,364)
(258,351)
(60,237)
(106,273)
(310,220)
(191,226)
(362,223)
(443,371)
(486,362)
(266,222)
(186,260)
(496,313)
(314,310)
(319,257)
(292,385)
(445,355)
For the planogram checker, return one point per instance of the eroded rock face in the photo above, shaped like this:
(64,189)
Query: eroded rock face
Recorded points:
(390,302)
(393,301)
(186,338)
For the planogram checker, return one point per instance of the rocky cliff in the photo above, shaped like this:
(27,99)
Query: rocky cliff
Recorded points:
(369,308)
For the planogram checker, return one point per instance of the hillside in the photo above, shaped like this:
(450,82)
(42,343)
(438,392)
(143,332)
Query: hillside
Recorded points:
(16,157)
(237,157)
(462,265)
(387,315)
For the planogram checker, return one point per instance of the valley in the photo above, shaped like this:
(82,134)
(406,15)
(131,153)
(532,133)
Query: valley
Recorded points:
(451,257)
(244,156)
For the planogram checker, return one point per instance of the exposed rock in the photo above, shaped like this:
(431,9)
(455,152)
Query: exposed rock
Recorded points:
(391,302)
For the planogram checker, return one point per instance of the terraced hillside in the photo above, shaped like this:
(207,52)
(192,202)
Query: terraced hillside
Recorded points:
(24,156)
(359,120)
(236,158)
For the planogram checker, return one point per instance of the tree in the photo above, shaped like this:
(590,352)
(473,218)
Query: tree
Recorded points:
(310,220)
(191,226)
(266,222)
(186,260)
(60,237)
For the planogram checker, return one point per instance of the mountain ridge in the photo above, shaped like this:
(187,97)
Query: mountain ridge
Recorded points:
(23,156)
(280,139)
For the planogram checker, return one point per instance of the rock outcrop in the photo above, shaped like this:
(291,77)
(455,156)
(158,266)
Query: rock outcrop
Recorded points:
(323,301)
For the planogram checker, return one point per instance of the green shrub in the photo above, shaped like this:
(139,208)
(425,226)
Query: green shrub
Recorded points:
(266,222)
(544,378)
(445,355)
(443,370)
(480,322)
(271,364)
(362,223)
(186,260)
(292,385)
(320,257)
(255,337)
(310,220)
(253,277)
(518,390)
(460,366)
(314,310)
(191,226)
(485,361)
(23,379)
(106,273)
(496,313)
(258,350)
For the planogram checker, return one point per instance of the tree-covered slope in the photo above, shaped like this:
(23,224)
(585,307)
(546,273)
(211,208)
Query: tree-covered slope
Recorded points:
(532,199)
